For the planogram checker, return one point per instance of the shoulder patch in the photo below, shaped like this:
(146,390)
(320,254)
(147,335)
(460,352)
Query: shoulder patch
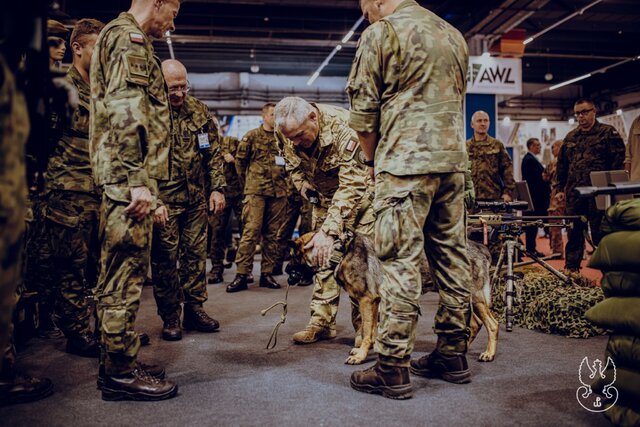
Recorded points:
(351,145)
(136,38)
(137,69)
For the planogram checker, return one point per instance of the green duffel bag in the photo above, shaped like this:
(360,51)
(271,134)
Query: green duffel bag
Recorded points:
(623,416)
(618,251)
(619,314)
(623,216)
(626,381)
(624,350)
(621,284)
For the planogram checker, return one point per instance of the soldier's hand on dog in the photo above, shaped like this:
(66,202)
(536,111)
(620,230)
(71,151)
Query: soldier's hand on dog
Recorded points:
(161,216)
(303,191)
(140,205)
(216,202)
(229,158)
(322,247)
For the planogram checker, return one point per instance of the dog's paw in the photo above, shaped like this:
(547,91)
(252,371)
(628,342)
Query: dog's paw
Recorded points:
(357,357)
(486,357)
(354,350)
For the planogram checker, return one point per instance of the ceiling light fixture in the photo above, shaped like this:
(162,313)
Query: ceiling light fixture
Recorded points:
(560,22)
(568,82)
(335,50)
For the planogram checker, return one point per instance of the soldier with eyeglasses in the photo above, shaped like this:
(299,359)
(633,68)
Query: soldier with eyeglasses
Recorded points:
(592,146)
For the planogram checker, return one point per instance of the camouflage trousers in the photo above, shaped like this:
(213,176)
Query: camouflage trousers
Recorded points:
(415,213)
(555,233)
(183,241)
(574,250)
(261,216)
(39,268)
(125,256)
(326,291)
(71,228)
(297,207)
(218,226)
(11,251)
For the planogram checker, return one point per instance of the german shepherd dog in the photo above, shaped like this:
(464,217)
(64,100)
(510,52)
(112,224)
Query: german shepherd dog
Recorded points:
(360,274)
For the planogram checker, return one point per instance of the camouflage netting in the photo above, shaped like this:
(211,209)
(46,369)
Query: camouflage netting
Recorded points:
(547,304)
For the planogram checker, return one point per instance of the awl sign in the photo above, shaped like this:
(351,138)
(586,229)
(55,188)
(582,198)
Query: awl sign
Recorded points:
(498,76)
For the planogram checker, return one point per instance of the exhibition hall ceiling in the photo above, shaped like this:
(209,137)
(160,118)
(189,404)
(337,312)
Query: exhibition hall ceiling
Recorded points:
(295,36)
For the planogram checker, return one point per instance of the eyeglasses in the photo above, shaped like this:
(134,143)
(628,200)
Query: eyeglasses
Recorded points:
(583,112)
(175,89)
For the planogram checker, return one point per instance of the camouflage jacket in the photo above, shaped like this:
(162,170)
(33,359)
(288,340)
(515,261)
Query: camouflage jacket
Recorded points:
(256,164)
(196,163)
(407,84)
(69,166)
(491,169)
(130,120)
(14,129)
(599,149)
(332,169)
(229,145)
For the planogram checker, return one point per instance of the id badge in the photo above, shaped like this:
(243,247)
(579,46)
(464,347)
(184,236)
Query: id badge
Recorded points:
(203,141)
(279,161)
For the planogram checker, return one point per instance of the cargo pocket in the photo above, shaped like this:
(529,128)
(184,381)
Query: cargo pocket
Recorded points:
(63,217)
(389,215)
(113,326)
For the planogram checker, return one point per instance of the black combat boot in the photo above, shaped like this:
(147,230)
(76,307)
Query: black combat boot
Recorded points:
(436,365)
(389,381)
(277,270)
(138,385)
(267,281)
(83,344)
(238,284)
(18,388)
(196,319)
(47,329)
(171,328)
(215,277)
(144,339)
(156,371)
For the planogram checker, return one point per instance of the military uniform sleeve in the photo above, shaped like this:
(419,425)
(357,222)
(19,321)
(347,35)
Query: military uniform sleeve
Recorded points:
(351,189)
(616,150)
(292,161)
(562,169)
(127,73)
(213,158)
(506,169)
(365,83)
(469,190)
(243,156)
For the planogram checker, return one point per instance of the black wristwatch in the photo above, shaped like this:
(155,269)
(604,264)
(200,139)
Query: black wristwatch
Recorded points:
(368,163)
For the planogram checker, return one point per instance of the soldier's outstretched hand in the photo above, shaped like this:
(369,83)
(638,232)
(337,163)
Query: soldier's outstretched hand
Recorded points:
(140,205)
(217,202)
(322,245)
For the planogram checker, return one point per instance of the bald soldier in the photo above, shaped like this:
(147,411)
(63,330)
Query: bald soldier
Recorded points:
(320,153)
(180,233)
(130,143)
(406,88)
(491,166)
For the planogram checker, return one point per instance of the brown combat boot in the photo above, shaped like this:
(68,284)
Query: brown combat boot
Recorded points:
(313,333)
(436,365)
(171,330)
(196,319)
(389,381)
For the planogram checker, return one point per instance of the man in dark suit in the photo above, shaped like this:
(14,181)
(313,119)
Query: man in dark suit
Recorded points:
(532,173)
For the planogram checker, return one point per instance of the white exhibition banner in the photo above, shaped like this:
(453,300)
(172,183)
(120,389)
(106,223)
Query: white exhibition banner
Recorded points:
(495,76)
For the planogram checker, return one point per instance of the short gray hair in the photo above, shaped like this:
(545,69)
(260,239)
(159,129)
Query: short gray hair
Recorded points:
(291,108)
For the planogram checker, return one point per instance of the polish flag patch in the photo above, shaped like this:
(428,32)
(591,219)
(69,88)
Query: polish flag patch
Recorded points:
(351,145)
(136,38)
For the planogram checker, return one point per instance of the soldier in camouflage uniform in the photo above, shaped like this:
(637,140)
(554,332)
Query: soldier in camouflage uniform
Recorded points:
(591,147)
(406,87)
(14,128)
(320,152)
(180,234)
(260,167)
(130,141)
(491,166)
(219,223)
(72,207)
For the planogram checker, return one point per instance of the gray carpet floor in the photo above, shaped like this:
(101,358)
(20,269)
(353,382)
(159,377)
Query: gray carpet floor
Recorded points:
(228,378)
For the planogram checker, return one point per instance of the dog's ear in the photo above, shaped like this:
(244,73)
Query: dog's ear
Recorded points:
(292,244)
